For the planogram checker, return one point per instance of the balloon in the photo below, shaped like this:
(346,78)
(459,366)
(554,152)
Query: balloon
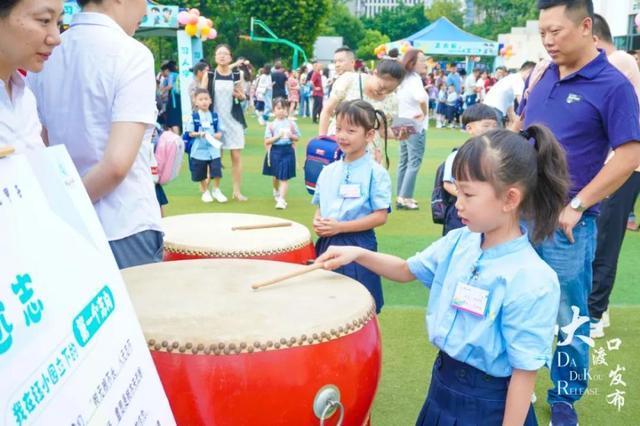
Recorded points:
(503,51)
(183,18)
(380,55)
(212,34)
(194,11)
(209,23)
(204,32)
(202,22)
(190,29)
(193,19)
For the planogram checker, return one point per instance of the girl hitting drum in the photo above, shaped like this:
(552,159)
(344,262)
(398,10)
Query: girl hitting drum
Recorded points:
(493,302)
(353,195)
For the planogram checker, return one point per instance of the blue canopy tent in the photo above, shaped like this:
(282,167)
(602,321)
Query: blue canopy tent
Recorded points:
(443,37)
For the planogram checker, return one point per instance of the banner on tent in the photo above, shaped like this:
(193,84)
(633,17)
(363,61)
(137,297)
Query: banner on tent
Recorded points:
(453,48)
(71,348)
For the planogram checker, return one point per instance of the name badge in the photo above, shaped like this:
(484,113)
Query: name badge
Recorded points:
(350,190)
(470,299)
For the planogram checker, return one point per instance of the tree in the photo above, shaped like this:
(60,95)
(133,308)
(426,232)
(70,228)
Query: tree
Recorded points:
(296,20)
(450,9)
(399,22)
(498,16)
(371,40)
(340,22)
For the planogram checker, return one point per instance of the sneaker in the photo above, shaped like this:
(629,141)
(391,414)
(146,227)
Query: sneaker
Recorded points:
(563,414)
(276,194)
(206,197)
(400,203)
(605,319)
(281,204)
(218,196)
(438,125)
(597,329)
(534,398)
(409,204)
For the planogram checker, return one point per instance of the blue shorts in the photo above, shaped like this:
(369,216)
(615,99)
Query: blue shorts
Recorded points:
(138,249)
(203,169)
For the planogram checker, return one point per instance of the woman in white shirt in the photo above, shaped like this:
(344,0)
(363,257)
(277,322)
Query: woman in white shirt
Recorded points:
(29,31)
(413,103)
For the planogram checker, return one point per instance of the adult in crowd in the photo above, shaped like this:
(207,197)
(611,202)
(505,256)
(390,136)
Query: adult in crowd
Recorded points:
(614,210)
(377,89)
(246,76)
(30,32)
(279,79)
(174,108)
(305,92)
(263,85)
(507,90)
(454,78)
(344,61)
(97,97)
(199,70)
(317,91)
(413,103)
(590,108)
(470,94)
(227,92)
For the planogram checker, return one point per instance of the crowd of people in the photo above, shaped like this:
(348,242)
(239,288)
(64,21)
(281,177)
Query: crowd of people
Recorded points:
(540,192)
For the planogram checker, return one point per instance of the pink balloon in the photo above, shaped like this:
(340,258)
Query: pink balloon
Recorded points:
(193,19)
(183,18)
(212,34)
(637,20)
(194,11)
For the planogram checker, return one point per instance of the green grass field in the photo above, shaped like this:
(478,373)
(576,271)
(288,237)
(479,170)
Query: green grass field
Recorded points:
(407,354)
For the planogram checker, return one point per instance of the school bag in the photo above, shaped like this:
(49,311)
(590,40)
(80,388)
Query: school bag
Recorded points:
(321,151)
(440,198)
(168,152)
(188,140)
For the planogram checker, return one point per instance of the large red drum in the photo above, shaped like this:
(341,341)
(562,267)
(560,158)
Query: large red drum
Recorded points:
(216,235)
(290,354)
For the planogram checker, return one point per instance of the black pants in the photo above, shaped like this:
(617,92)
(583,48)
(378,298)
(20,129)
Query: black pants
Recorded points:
(317,107)
(612,224)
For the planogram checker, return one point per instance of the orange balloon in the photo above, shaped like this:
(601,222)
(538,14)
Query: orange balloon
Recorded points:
(190,29)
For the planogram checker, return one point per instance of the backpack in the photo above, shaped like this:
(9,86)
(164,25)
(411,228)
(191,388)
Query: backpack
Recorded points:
(321,151)
(440,198)
(168,154)
(188,140)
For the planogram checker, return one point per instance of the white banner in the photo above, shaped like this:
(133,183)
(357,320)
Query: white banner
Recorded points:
(71,348)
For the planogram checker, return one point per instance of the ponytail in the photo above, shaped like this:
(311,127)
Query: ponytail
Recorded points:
(549,196)
(380,115)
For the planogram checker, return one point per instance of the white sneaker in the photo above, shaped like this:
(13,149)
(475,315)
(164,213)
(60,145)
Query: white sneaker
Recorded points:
(206,197)
(281,204)
(596,329)
(534,398)
(438,125)
(218,196)
(605,319)
(276,194)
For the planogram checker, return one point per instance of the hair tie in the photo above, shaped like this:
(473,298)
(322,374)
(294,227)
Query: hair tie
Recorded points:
(525,134)
(530,139)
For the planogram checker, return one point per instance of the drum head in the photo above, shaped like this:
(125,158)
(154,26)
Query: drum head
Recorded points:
(208,306)
(211,235)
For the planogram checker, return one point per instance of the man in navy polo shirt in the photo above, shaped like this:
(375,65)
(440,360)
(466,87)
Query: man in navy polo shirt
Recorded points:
(590,107)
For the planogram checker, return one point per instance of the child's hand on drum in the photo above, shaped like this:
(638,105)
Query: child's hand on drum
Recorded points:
(337,256)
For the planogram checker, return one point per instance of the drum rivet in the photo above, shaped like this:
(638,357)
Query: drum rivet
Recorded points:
(269,343)
(283,341)
(292,341)
(169,349)
(189,345)
(158,346)
(263,347)
(315,336)
(243,345)
(175,345)
(194,351)
(250,349)
(200,346)
(334,332)
(207,351)
(220,345)
(227,351)
(212,347)
(232,347)
(303,338)
(341,329)
(165,343)
(216,351)
(256,344)
(181,349)
(277,345)
(355,323)
(152,342)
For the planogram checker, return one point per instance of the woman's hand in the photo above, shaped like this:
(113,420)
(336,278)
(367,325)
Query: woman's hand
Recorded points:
(337,256)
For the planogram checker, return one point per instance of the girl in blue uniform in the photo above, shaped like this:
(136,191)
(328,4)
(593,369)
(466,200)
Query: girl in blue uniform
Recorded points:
(353,195)
(493,302)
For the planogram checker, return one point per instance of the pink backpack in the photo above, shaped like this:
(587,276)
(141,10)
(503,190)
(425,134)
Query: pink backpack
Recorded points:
(169,152)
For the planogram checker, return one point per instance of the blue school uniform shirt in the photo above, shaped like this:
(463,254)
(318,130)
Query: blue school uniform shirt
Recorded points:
(277,126)
(201,149)
(375,189)
(517,328)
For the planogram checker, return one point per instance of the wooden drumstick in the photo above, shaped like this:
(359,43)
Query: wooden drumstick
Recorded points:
(301,271)
(261,226)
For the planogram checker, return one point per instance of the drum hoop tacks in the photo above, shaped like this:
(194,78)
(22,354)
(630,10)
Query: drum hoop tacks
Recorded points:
(235,348)
(234,254)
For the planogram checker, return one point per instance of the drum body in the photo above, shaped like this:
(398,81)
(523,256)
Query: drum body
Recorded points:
(210,235)
(229,355)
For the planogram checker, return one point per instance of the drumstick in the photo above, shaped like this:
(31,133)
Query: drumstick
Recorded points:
(260,226)
(5,151)
(301,271)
